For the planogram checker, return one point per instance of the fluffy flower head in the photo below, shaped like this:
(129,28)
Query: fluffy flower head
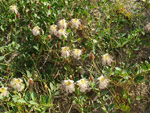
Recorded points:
(14,9)
(69,86)
(107,59)
(16,81)
(65,52)
(75,23)
(147,27)
(4,92)
(103,82)
(61,32)
(83,84)
(53,29)
(36,31)
(17,84)
(77,53)
(62,24)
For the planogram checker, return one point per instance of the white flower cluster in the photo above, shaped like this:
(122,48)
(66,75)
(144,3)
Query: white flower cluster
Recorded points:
(14,9)
(65,52)
(69,86)
(83,84)
(36,31)
(107,59)
(4,92)
(75,23)
(17,84)
(62,25)
(103,82)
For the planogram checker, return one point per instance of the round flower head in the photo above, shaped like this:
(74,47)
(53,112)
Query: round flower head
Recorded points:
(53,29)
(15,81)
(83,84)
(17,84)
(69,86)
(103,82)
(147,27)
(107,59)
(18,87)
(36,31)
(65,52)
(77,53)
(4,92)
(14,9)
(75,23)
(61,32)
(62,24)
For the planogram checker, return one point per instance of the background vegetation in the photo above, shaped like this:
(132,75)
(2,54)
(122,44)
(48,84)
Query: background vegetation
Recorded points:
(113,27)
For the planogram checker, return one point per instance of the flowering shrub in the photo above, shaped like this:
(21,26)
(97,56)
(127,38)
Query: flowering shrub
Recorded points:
(74,56)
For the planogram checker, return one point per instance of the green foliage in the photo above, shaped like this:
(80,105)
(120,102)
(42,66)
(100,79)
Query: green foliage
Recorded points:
(106,27)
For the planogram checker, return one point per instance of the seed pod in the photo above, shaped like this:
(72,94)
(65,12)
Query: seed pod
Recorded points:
(71,78)
(59,44)
(49,37)
(20,29)
(48,6)
(52,75)
(18,15)
(30,80)
(83,49)
(33,56)
(67,60)
(45,86)
(92,57)
(69,24)
(35,74)
(91,78)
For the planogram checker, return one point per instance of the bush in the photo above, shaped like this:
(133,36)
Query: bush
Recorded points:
(96,58)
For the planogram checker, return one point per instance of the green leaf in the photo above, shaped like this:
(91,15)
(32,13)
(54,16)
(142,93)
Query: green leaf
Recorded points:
(1,97)
(110,107)
(104,92)
(147,64)
(42,100)
(94,49)
(34,96)
(124,94)
(33,102)
(118,68)
(144,67)
(21,101)
(27,96)
(139,78)
(138,98)
(2,58)
(38,109)
(46,98)
(52,86)
(29,75)
(36,47)
(127,109)
(2,28)
(3,66)
(122,106)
